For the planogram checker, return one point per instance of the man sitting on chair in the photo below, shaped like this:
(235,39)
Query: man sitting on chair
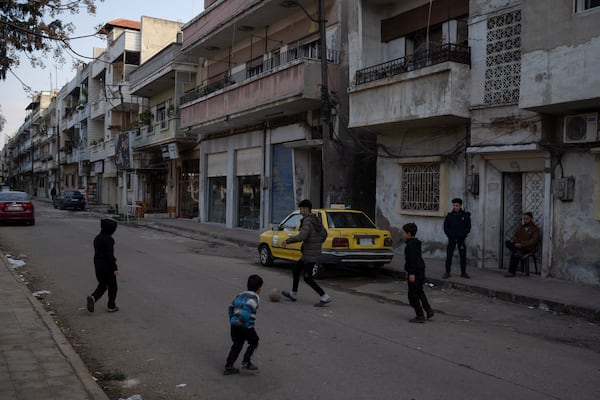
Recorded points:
(523,243)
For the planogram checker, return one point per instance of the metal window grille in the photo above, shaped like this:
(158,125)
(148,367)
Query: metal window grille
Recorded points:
(420,187)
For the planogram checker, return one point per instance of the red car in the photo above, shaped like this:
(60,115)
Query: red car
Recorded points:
(16,206)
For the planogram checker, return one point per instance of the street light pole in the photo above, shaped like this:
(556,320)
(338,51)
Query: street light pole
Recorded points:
(325,114)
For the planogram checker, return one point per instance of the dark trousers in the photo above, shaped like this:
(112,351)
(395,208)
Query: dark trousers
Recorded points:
(416,295)
(307,269)
(462,252)
(106,280)
(240,335)
(515,256)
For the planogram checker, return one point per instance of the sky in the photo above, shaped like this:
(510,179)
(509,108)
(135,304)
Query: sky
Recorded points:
(14,99)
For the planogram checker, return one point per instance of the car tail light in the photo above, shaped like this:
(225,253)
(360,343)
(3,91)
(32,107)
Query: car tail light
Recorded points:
(2,206)
(387,242)
(339,242)
(27,206)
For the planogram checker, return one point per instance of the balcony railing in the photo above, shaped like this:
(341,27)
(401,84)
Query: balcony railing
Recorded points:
(421,59)
(256,67)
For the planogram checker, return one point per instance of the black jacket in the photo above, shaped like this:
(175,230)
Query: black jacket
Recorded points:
(412,254)
(104,245)
(457,225)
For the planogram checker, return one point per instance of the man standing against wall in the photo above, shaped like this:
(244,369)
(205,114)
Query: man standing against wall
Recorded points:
(457,226)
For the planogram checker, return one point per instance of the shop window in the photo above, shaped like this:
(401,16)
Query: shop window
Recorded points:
(249,202)
(217,199)
(423,185)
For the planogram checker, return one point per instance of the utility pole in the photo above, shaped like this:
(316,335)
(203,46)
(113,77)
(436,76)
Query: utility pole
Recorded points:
(325,114)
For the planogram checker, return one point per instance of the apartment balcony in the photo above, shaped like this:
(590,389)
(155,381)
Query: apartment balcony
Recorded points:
(220,22)
(262,91)
(429,88)
(127,41)
(120,98)
(158,73)
(98,108)
(97,152)
(561,80)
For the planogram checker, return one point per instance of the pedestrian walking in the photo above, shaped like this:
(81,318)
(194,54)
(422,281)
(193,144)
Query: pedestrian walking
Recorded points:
(312,235)
(415,271)
(524,243)
(53,192)
(105,265)
(242,318)
(457,226)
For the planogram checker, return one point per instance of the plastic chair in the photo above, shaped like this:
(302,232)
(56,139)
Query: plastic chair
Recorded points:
(525,262)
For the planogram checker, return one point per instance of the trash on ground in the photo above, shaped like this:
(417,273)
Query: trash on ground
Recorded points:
(181,385)
(40,293)
(15,263)
(544,307)
(134,397)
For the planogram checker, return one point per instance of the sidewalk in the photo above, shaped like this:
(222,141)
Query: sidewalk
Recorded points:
(554,294)
(36,360)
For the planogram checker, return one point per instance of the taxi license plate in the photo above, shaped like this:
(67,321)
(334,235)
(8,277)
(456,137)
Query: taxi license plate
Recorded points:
(365,241)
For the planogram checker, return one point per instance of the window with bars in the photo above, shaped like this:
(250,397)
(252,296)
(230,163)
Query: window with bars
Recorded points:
(422,186)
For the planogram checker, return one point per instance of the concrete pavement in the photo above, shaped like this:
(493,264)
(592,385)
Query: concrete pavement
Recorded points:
(37,361)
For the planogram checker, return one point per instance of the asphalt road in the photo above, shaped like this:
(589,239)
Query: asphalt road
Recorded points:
(171,336)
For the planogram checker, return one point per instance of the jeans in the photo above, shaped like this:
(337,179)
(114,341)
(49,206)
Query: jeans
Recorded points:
(240,335)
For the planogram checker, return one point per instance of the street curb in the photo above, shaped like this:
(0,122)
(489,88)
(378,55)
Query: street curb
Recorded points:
(551,305)
(76,363)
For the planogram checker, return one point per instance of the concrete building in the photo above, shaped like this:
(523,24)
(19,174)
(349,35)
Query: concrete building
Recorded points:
(257,107)
(167,154)
(115,110)
(410,79)
(494,102)
(534,135)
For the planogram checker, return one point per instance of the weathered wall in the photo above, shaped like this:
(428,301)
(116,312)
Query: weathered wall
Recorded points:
(576,232)
(417,143)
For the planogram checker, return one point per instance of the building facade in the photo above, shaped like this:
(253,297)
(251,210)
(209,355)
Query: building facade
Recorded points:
(261,107)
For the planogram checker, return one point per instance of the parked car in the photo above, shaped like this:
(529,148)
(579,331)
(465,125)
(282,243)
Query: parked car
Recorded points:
(69,199)
(351,238)
(16,206)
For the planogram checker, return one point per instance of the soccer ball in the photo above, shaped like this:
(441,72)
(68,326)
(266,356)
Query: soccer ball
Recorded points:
(275,295)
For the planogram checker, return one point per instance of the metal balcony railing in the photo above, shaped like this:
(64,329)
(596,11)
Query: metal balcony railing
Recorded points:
(256,67)
(421,59)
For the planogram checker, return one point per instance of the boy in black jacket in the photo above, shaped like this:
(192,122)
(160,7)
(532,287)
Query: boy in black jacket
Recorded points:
(415,271)
(105,265)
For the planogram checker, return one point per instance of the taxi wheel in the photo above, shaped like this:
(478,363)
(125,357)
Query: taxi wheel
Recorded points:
(265,256)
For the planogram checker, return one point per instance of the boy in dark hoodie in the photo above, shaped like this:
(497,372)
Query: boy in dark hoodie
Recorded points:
(105,265)
(415,271)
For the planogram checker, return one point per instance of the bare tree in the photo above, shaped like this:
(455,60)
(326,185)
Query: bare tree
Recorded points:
(35,29)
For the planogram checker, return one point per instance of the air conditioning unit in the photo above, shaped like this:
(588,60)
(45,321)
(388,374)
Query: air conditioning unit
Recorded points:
(581,128)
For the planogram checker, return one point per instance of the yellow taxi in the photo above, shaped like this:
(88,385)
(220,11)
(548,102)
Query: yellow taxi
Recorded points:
(351,238)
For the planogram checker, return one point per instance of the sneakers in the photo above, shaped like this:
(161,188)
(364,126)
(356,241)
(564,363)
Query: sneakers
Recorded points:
(446,275)
(417,320)
(90,303)
(289,295)
(430,314)
(249,366)
(465,275)
(115,309)
(323,303)
(230,371)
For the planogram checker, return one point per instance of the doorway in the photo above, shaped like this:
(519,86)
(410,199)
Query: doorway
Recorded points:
(522,192)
